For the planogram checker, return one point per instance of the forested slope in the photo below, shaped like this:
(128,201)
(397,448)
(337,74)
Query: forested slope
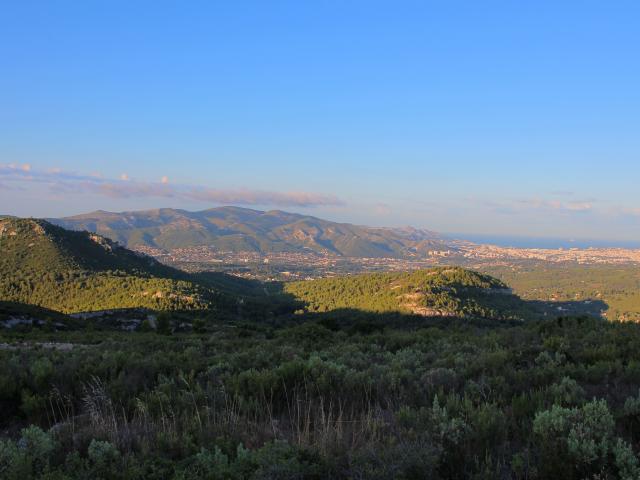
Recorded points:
(442,291)
(70,271)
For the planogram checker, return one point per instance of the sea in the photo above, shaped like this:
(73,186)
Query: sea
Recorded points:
(543,242)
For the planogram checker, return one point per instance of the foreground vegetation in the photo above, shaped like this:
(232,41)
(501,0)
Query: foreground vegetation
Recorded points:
(313,398)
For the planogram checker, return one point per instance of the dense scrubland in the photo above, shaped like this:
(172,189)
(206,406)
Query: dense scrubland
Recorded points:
(315,398)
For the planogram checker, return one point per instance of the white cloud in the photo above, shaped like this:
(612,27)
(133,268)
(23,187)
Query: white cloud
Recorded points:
(550,205)
(72,183)
(579,206)
(382,209)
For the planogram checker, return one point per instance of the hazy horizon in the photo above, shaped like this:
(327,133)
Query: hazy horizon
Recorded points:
(498,119)
(501,240)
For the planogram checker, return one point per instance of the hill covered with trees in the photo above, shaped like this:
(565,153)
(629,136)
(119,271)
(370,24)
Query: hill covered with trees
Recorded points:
(441,291)
(71,271)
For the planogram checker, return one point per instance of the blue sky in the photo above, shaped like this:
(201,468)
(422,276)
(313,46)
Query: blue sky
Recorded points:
(485,117)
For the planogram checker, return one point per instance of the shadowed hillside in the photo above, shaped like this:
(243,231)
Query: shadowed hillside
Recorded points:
(69,271)
(437,292)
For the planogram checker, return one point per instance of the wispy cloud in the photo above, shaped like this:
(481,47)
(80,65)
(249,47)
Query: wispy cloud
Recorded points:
(521,206)
(382,209)
(588,206)
(72,183)
(578,206)
(555,205)
(625,211)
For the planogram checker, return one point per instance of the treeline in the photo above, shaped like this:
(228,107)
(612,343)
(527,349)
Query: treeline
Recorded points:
(77,291)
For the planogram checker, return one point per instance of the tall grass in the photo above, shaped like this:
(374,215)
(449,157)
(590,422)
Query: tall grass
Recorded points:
(307,418)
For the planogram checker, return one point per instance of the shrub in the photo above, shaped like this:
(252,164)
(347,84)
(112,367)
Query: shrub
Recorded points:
(566,392)
(29,457)
(9,455)
(577,440)
(626,461)
(105,459)
(38,444)
(163,323)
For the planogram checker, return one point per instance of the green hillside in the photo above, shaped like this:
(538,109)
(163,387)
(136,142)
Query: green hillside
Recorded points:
(613,288)
(442,291)
(71,271)
(243,229)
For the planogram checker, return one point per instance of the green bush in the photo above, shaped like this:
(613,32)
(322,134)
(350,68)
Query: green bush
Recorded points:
(105,460)
(576,439)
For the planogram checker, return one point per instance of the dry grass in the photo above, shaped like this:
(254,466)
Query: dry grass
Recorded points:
(307,420)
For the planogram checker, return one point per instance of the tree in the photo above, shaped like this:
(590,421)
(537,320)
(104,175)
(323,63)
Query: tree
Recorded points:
(163,323)
(198,325)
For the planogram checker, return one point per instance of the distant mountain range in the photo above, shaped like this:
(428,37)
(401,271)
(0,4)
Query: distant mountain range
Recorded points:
(243,229)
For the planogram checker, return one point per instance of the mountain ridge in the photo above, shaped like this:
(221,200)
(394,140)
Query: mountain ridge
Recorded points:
(242,229)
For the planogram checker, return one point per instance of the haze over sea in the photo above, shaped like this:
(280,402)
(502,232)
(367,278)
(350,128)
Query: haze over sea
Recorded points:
(537,242)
